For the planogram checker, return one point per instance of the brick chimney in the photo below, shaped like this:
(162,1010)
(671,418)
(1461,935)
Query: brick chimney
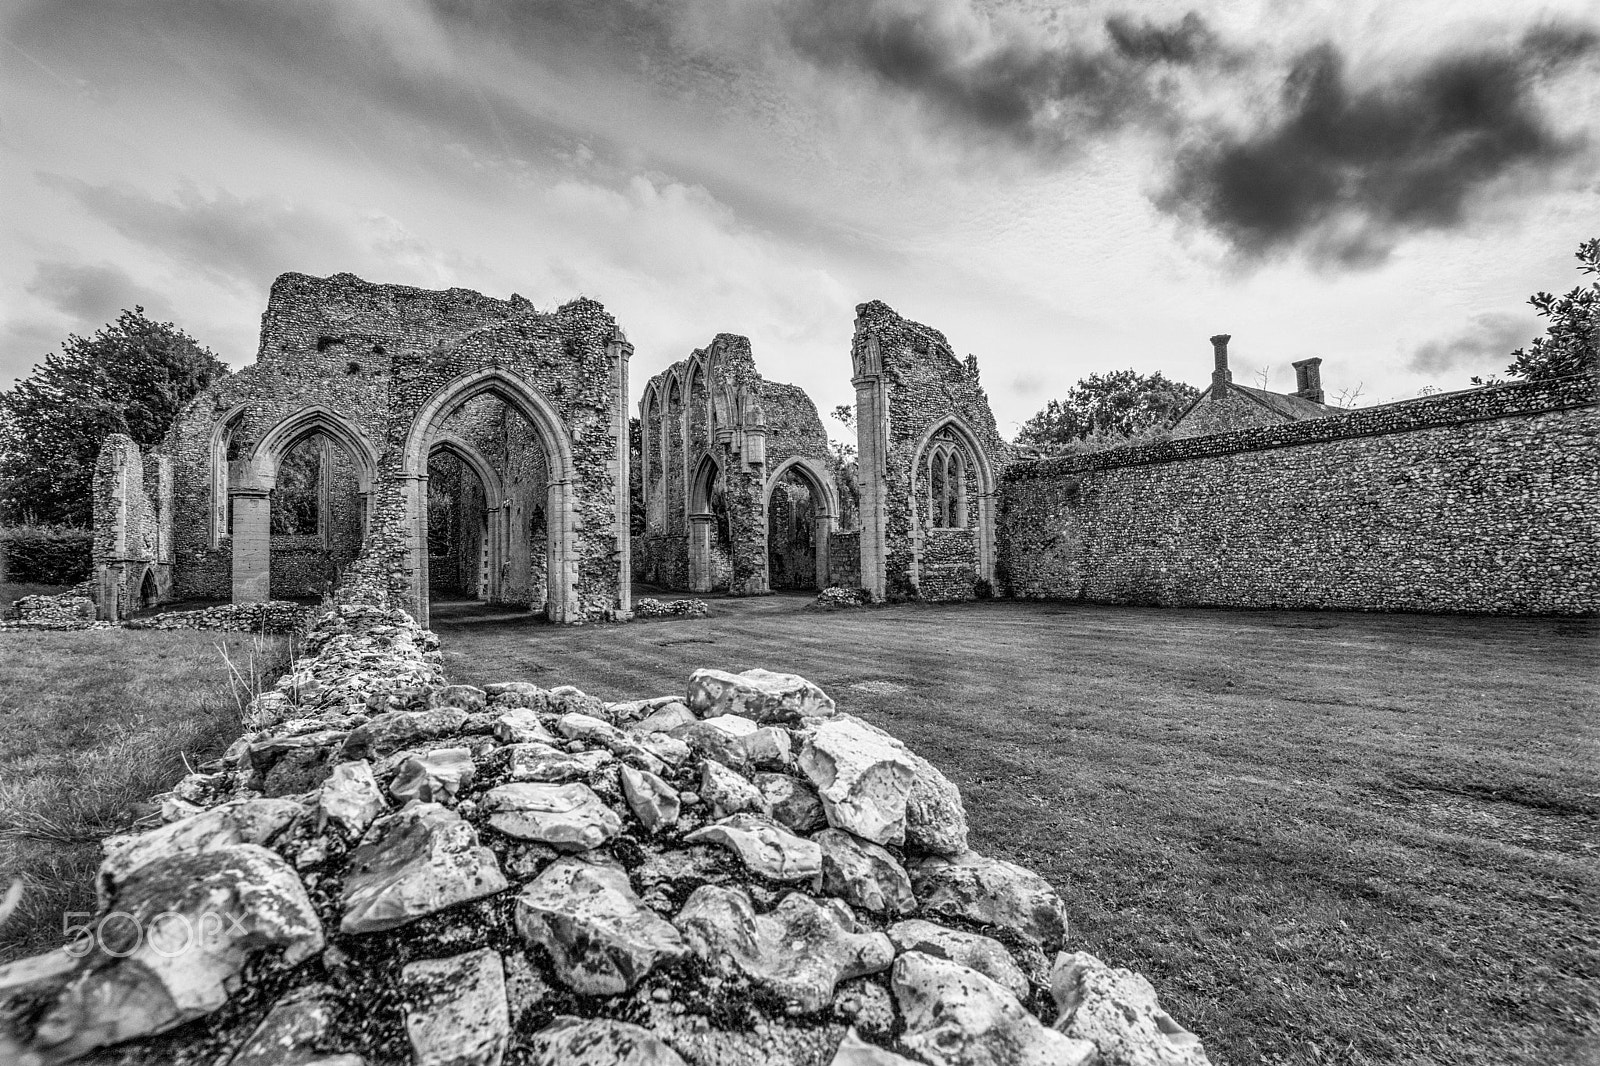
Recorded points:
(1308,379)
(1221,375)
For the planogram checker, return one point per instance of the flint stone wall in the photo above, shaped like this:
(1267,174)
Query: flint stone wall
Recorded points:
(370,357)
(714,407)
(910,386)
(1479,501)
(844,559)
(133,528)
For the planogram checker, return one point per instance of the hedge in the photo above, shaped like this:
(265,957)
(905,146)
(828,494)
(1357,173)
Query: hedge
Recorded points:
(45,555)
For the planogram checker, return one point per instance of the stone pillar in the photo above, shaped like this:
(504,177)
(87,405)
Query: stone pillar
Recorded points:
(560,551)
(821,537)
(700,528)
(872,449)
(414,493)
(620,351)
(252,545)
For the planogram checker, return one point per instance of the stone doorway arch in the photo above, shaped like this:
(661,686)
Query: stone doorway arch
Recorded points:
(493,528)
(561,504)
(825,508)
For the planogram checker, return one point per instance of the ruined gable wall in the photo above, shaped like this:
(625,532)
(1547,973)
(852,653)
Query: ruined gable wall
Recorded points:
(575,358)
(748,427)
(1481,501)
(793,425)
(375,354)
(1224,412)
(127,526)
(920,382)
(316,349)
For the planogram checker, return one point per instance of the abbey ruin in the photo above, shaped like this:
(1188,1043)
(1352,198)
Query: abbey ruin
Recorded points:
(397,868)
(450,441)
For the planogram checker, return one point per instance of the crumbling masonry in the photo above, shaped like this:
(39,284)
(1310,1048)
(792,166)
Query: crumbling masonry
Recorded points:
(448,443)
(719,447)
(373,388)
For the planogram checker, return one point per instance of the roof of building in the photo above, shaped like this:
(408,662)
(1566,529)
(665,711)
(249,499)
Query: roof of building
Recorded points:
(1290,406)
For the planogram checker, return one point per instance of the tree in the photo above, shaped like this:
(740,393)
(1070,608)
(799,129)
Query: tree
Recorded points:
(636,509)
(1571,344)
(1109,408)
(132,376)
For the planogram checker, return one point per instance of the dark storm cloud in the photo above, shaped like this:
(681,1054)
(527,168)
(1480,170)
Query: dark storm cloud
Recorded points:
(89,292)
(1185,41)
(1344,171)
(227,237)
(994,77)
(1485,345)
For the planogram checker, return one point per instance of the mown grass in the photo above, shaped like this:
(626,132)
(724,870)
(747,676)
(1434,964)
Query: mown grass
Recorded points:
(1324,837)
(93,724)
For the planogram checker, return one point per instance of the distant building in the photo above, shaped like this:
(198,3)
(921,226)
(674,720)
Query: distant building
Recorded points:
(1225,406)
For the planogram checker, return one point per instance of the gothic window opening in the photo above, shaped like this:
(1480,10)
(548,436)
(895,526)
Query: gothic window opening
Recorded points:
(946,476)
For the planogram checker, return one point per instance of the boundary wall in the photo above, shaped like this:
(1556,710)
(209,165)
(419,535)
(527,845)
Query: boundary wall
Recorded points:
(1478,501)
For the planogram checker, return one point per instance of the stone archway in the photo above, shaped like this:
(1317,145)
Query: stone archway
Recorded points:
(149,589)
(491,528)
(253,478)
(824,511)
(702,525)
(561,504)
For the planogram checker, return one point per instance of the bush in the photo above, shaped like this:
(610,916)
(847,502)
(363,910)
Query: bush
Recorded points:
(835,597)
(46,555)
(901,589)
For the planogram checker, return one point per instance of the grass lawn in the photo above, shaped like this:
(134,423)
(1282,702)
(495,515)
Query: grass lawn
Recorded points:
(1325,837)
(92,724)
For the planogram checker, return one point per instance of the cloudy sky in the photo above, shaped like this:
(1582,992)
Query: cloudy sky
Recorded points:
(1062,188)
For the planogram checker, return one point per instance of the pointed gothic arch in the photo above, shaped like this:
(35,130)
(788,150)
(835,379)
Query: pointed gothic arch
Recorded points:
(250,493)
(290,430)
(561,503)
(969,452)
(825,497)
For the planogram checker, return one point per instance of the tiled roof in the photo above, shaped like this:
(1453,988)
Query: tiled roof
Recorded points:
(1295,407)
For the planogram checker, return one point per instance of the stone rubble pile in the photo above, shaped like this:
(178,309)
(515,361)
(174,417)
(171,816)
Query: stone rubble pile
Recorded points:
(392,869)
(270,616)
(649,608)
(72,609)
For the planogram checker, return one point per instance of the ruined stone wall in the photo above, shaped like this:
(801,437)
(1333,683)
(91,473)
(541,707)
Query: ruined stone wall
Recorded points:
(332,360)
(1479,501)
(949,564)
(844,559)
(909,387)
(372,358)
(132,528)
(1224,411)
(793,425)
(714,407)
